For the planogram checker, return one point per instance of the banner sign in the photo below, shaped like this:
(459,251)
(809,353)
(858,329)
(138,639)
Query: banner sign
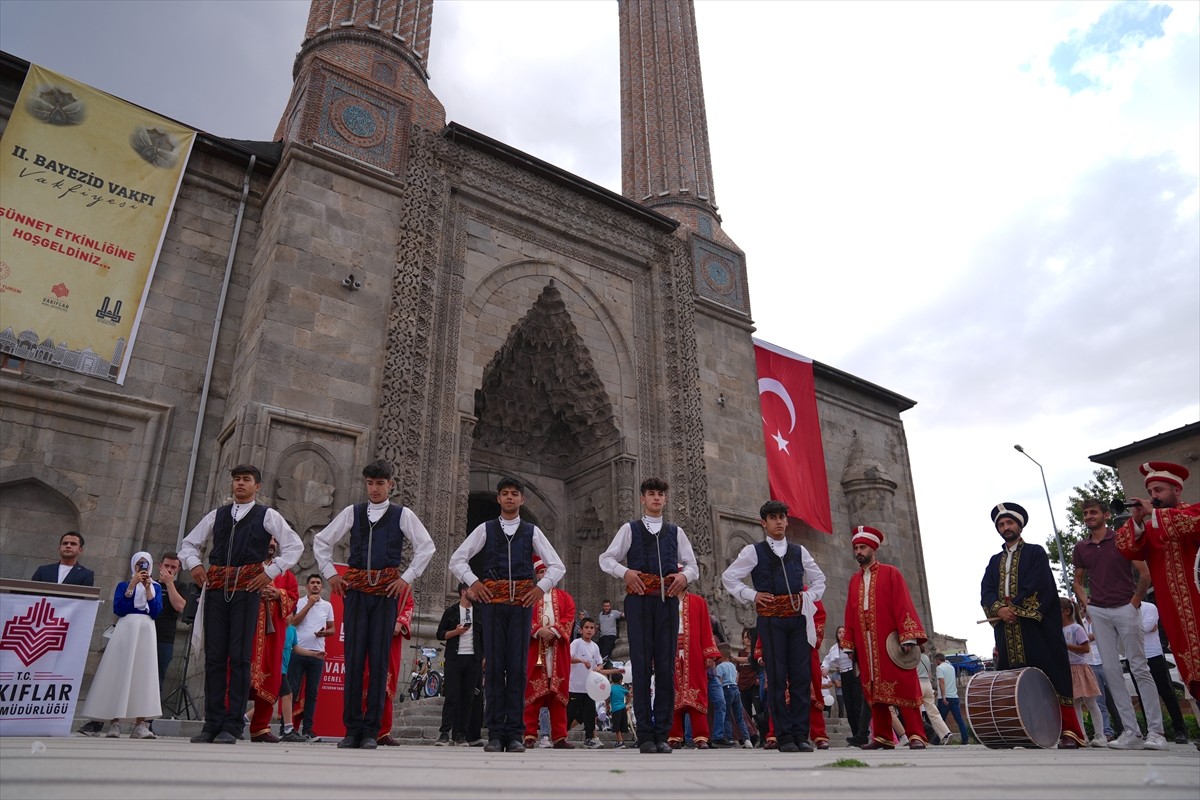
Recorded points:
(792,434)
(328,719)
(43,650)
(87,186)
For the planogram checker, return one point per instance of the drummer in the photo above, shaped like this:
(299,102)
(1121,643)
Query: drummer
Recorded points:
(883,634)
(1021,601)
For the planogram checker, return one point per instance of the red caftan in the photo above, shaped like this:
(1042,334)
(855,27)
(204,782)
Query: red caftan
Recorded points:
(548,684)
(404,620)
(267,662)
(696,646)
(871,616)
(1169,547)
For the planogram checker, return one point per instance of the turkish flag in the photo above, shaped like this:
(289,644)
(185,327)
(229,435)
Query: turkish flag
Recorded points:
(792,434)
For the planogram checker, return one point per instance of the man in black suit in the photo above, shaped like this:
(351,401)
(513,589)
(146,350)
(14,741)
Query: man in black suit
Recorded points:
(68,569)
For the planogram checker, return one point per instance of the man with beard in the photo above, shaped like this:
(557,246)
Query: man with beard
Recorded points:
(1111,601)
(375,586)
(241,534)
(1165,533)
(1020,599)
(878,605)
(278,601)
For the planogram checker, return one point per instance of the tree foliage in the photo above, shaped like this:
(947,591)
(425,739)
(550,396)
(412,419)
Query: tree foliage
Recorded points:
(1105,486)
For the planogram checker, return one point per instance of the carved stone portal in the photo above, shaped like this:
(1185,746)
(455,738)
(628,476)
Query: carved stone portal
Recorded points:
(543,411)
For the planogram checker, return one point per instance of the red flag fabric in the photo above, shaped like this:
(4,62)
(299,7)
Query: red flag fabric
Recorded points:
(792,434)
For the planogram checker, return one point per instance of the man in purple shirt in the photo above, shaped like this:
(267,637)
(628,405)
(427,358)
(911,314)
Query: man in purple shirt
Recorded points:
(1111,600)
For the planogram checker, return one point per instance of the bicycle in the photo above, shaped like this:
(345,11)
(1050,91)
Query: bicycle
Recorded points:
(426,681)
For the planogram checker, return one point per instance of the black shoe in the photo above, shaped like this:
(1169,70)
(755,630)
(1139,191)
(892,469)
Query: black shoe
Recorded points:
(663,748)
(790,747)
(804,747)
(96,728)
(203,737)
(515,746)
(459,741)
(225,737)
(494,746)
(368,743)
(348,742)
(647,747)
(720,743)
(443,741)
(1181,738)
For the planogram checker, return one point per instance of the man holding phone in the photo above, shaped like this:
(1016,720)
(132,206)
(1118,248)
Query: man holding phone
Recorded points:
(464,665)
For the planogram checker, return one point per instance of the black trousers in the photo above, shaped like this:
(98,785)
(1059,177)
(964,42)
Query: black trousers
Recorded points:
(368,622)
(582,707)
(1162,681)
(607,643)
(506,632)
(786,654)
(229,622)
(459,682)
(308,670)
(653,630)
(852,696)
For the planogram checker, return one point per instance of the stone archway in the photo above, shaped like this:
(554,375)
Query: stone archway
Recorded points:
(544,416)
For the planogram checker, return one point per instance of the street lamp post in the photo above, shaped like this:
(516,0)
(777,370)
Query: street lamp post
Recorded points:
(1062,553)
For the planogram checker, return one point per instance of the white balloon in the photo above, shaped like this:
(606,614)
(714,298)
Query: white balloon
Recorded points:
(597,686)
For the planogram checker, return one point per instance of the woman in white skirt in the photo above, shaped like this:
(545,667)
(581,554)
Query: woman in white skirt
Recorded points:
(126,682)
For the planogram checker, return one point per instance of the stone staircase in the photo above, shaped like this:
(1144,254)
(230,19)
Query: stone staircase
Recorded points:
(416,722)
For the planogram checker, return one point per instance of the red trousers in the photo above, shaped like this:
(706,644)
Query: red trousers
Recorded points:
(1070,724)
(389,699)
(881,723)
(260,720)
(558,718)
(699,725)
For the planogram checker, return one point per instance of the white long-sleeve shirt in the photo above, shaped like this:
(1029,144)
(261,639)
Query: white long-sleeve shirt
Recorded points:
(461,568)
(734,580)
(290,545)
(619,548)
(422,544)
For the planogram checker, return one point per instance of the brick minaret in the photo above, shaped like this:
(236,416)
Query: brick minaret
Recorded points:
(666,163)
(361,78)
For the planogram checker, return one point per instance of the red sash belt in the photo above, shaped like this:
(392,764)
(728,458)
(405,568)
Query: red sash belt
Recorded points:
(780,605)
(511,593)
(235,579)
(651,581)
(370,581)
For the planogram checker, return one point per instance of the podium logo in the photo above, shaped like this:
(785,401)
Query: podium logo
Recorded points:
(36,632)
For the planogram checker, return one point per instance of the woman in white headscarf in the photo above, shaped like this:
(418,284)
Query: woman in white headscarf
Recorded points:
(126,682)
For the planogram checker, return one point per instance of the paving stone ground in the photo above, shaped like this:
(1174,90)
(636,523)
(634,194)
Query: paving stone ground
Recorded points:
(171,766)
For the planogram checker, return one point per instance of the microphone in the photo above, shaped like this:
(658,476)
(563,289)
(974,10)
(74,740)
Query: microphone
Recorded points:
(1120,506)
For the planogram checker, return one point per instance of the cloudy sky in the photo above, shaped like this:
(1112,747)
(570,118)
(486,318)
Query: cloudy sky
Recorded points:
(991,208)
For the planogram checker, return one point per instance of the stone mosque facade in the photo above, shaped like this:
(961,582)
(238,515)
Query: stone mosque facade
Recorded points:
(391,285)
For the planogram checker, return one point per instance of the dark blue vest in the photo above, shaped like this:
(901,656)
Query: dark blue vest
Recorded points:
(251,541)
(646,549)
(768,573)
(386,540)
(499,555)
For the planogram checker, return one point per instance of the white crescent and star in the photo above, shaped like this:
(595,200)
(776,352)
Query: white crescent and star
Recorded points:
(772,386)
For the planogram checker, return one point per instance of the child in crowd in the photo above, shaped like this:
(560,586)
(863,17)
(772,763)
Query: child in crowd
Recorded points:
(617,708)
(1083,680)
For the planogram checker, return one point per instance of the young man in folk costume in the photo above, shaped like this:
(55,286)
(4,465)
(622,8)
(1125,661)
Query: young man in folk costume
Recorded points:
(1165,533)
(1019,597)
(654,549)
(241,534)
(278,602)
(375,586)
(549,663)
(779,571)
(878,605)
(504,593)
